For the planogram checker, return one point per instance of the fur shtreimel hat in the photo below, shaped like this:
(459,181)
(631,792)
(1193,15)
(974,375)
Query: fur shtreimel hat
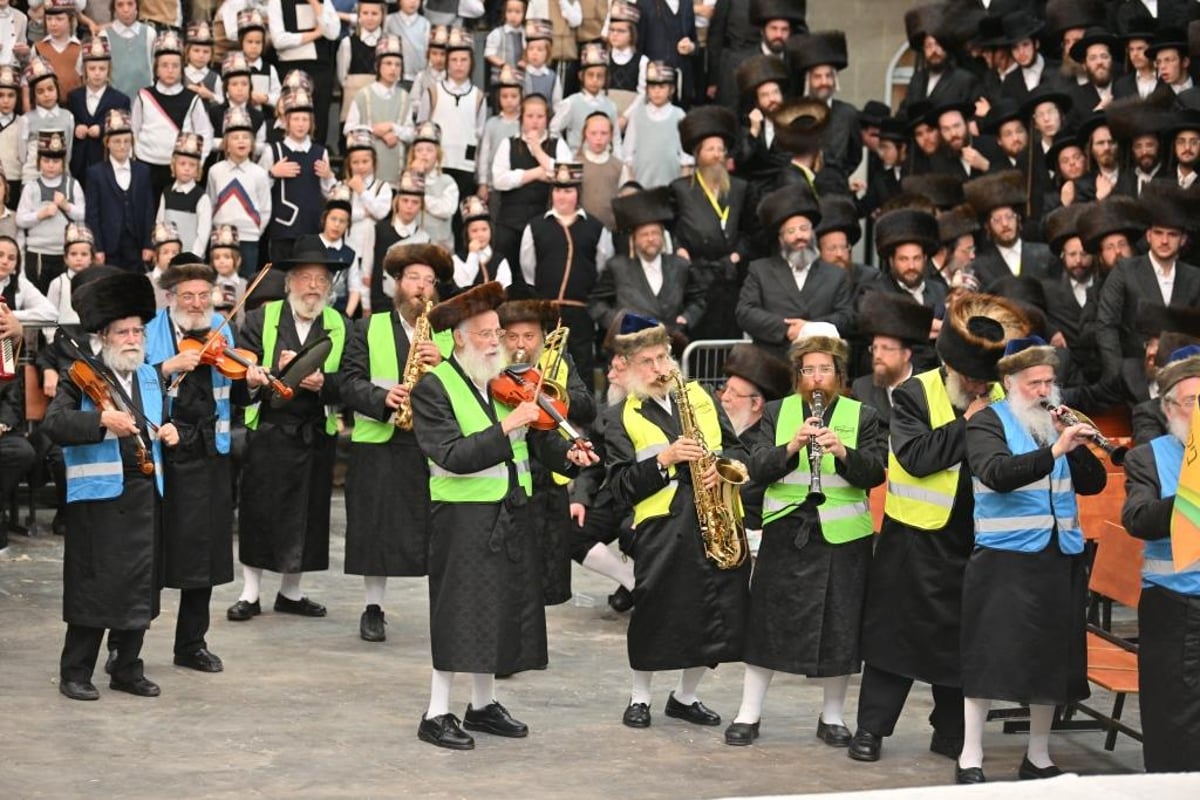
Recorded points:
(115,297)
(759,69)
(542,312)
(997,190)
(1028,351)
(1114,214)
(401,255)
(808,50)
(944,191)
(974,331)
(771,375)
(705,121)
(838,213)
(476,300)
(793,200)
(187,266)
(958,221)
(763,11)
(1182,363)
(637,332)
(1063,223)
(643,208)
(907,226)
(819,337)
(896,315)
(800,125)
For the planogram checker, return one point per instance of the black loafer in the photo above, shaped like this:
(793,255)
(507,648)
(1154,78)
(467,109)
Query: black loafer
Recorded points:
(301,608)
(947,746)
(201,660)
(968,775)
(740,734)
(621,600)
(243,610)
(1028,772)
(697,713)
(371,624)
(79,690)
(110,661)
(637,715)
(494,719)
(443,731)
(142,687)
(865,746)
(833,735)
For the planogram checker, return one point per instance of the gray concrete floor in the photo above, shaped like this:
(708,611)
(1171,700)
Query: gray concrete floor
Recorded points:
(307,709)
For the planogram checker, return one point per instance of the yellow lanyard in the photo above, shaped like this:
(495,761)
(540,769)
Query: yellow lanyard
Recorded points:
(722,213)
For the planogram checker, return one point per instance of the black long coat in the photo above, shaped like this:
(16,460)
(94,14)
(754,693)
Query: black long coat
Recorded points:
(485,568)
(387,485)
(89,151)
(806,600)
(687,612)
(287,478)
(111,561)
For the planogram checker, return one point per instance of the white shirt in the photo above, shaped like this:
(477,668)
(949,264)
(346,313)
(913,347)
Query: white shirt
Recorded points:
(1165,274)
(303,326)
(1185,179)
(654,273)
(917,293)
(1012,257)
(1144,177)
(800,276)
(505,178)
(31,305)
(572,12)
(1080,288)
(123,172)
(1032,74)
(93,99)
(528,253)
(1146,85)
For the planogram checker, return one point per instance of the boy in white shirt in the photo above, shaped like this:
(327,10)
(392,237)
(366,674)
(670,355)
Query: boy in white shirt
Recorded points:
(240,190)
(47,204)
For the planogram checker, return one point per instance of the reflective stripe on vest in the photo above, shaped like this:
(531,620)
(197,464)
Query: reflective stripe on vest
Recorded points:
(845,515)
(490,484)
(1158,564)
(926,503)
(649,440)
(160,345)
(332,322)
(95,471)
(1021,520)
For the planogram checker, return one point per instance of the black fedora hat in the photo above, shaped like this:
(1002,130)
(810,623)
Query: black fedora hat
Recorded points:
(1062,142)
(873,113)
(990,34)
(1005,109)
(1047,93)
(1168,38)
(1094,35)
(1019,26)
(309,250)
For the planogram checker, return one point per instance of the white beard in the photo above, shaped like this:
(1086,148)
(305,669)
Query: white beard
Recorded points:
(615,395)
(480,367)
(305,310)
(1181,429)
(187,321)
(644,391)
(123,362)
(1036,420)
(741,422)
(958,395)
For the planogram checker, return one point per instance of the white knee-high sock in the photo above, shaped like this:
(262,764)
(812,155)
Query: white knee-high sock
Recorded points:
(754,691)
(689,681)
(975,711)
(251,584)
(605,562)
(834,700)
(483,690)
(374,586)
(439,694)
(289,585)
(1041,718)
(639,691)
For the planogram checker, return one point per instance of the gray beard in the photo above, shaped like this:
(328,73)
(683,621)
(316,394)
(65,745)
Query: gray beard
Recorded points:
(741,422)
(798,258)
(122,362)
(305,310)
(1180,428)
(1036,421)
(188,322)
(615,395)
(958,395)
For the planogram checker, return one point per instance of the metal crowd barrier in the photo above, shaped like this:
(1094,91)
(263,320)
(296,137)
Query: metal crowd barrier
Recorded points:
(704,361)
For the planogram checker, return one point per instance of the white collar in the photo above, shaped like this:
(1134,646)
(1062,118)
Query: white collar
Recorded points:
(654,263)
(123,166)
(1160,268)
(579,214)
(168,90)
(596,158)
(300,146)
(183,187)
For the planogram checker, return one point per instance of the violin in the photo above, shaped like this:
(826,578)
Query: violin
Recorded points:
(232,362)
(93,384)
(516,385)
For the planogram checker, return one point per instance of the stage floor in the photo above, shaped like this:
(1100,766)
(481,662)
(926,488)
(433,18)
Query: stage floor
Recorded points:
(307,709)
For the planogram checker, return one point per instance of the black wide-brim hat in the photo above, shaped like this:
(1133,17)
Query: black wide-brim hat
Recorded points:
(793,200)
(896,315)
(643,208)
(310,251)
(1061,142)
(974,331)
(1094,35)
(873,113)
(1020,25)
(763,11)
(1187,119)
(1003,110)
(772,376)
(115,297)
(839,213)
(703,122)
(906,226)
(1046,94)
(1169,38)
(1065,15)
(990,34)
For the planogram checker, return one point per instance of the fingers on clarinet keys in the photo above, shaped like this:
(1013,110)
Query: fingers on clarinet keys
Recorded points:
(697,713)
(444,731)
(833,735)
(865,746)
(637,715)
(494,719)
(243,610)
(741,734)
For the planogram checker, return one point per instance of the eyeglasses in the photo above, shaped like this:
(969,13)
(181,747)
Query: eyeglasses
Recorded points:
(488,333)
(1183,402)
(794,229)
(193,297)
(824,369)
(312,280)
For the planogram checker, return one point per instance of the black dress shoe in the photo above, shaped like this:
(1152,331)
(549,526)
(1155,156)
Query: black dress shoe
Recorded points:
(443,731)
(1028,772)
(947,746)
(621,600)
(494,719)
(740,734)
(697,713)
(865,746)
(833,735)
(637,715)
(243,610)
(59,524)
(79,690)
(110,662)
(370,625)
(201,661)
(968,775)
(302,607)
(142,687)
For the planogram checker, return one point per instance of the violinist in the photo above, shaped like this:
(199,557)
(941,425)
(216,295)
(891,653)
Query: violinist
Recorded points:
(387,519)
(108,436)
(198,509)
(525,323)
(485,614)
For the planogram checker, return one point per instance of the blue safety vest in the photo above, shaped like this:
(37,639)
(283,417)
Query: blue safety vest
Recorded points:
(1022,520)
(160,345)
(1158,565)
(95,471)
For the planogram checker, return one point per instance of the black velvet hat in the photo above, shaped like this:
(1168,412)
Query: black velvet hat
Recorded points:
(839,213)
(763,11)
(771,375)
(789,201)
(115,297)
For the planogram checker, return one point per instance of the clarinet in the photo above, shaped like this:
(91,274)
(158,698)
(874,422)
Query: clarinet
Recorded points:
(815,496)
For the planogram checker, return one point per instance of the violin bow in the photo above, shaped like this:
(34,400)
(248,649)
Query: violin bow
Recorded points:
(106,374)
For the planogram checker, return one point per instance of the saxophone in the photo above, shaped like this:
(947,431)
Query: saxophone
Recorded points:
(718,509)
(414,368)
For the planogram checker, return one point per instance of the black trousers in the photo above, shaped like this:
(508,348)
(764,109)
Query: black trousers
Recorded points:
(16,458)
(882,696)
(192,622)
(82,645)
(467,186)
(160,180)
(1169,679)
(42,268)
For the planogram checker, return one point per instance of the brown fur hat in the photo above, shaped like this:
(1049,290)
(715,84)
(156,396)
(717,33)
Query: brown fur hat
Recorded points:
(819,337)
(759,69)
(997,190)
(636,332)
(944,191)
(895,315)
(476,300)
(1063,223)
(958,221)
(542,312)
(1021,354)
(1113,214)
(187,266)
(400,255)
